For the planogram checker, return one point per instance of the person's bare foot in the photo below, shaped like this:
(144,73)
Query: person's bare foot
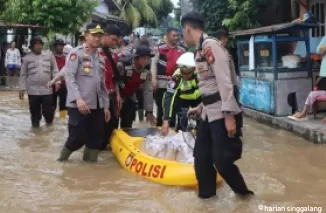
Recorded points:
(299,115)
(323,121)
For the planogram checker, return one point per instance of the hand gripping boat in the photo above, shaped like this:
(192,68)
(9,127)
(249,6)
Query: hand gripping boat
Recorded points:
(125,146)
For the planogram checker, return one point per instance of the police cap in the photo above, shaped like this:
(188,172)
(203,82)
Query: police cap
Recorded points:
(142,51)
(112,30)
(223,31)
(193,17)
(94,28)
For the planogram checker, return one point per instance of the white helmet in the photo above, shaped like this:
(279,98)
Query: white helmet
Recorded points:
(187,59)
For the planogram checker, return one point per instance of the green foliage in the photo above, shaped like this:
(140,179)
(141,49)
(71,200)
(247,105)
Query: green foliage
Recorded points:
(2,5)
(136,12)
(61,16)
(214,12)
(243,14)
(165,9)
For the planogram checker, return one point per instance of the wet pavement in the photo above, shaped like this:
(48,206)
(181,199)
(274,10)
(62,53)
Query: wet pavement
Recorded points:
(284,170)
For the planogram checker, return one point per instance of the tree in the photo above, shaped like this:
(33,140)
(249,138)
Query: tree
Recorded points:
(136,11)
(214,12)
(2,5)
(166,7)
(60,16)
(244,14)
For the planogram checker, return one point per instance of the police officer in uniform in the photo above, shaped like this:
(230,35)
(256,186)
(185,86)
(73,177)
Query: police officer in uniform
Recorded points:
(38,68)
(88,99)
(182,92)
(219,135)
(134,74)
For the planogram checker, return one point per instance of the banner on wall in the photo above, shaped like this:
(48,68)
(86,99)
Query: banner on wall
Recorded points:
(257,95)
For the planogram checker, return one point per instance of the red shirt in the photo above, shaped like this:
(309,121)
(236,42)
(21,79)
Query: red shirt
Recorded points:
(61,61)
(108,73)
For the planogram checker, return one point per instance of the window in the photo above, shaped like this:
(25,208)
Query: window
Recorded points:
(317,8)
(243,56)
(263,55)
(291,55)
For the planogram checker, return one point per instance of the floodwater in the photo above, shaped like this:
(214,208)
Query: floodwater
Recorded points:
(284,171)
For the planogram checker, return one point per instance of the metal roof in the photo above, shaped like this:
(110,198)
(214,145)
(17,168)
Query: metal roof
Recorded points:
(274,28)
(18,25)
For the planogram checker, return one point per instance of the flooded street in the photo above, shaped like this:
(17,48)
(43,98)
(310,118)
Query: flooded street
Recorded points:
(282,169)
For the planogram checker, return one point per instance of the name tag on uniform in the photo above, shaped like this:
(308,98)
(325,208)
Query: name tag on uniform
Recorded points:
(143,75)
(129,73)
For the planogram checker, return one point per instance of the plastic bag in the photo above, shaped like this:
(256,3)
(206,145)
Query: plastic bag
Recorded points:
(170,151)
(172,147)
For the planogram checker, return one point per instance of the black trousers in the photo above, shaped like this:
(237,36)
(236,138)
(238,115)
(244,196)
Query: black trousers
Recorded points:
(140,98)
(62,96)
(113,124)
(177,108)
(158,96)
(127,113)
(214,147)
(85,130)
(41,105)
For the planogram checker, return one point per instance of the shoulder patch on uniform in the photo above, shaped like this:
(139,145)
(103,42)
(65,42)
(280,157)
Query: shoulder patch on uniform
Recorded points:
(73,56)
(208,53)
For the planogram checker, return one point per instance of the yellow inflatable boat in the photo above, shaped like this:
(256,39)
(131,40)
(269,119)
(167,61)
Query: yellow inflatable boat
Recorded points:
(125,146)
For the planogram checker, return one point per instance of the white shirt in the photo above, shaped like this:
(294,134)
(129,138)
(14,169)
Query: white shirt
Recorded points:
(13,57)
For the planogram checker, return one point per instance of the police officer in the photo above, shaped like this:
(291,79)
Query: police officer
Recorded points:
(87,100)
(38,68)
(134,74)
(112,79)
(182,92)
(139,93)
(219,135)
(163,67)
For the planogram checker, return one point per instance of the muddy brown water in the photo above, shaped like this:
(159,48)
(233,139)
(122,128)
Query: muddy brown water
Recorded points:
(284,170)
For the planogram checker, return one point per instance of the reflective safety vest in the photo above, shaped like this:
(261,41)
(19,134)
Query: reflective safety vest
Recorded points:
(188,90)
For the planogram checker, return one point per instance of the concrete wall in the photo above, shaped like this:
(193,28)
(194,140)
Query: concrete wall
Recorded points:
(301,86)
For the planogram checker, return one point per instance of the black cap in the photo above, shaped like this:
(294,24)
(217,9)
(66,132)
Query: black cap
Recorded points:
(94,28)
(59,42)
(112,30)
(222,32)
(144,42)
(35,40)
(193,17)
(142,51)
